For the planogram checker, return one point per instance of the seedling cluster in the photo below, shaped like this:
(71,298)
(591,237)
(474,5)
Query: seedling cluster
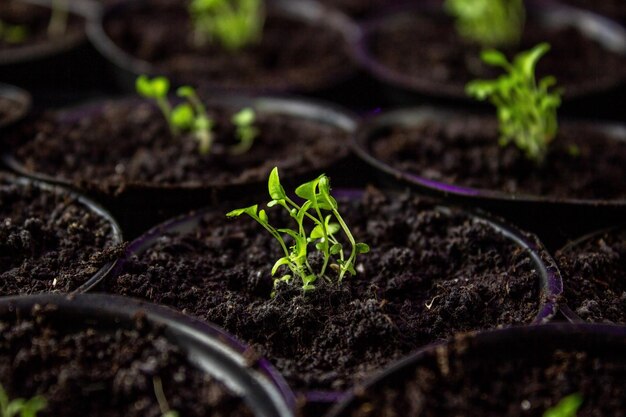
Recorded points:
(233,24)
(19,406)
(318,223)
(191,115)
(527,109)
(567,407)
(490,23)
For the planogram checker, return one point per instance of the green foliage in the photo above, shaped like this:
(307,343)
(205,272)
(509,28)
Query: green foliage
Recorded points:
(164,406)
(13,33)
(527,110)
(58,19)
(318,222)
(20,407)
(233,24)
(488,22)
(567,407)
(246,132)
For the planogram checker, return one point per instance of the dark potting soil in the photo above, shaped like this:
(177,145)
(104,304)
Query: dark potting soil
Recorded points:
(426,48)
(36,19)
(87,372)
(292,53)
(130,142)
(9,110)
(428,276)
(49,241)
(512,383)
(360,8)
(594,277)
(615,9)
(465,151)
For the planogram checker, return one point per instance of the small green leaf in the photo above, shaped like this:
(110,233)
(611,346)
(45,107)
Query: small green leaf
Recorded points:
(276,190)
(282,261)
(495,58)
(307,190)
(244,117)
(186,91)
(251,211)
(362,248)
(263,216)
(567,407)
(336,248)
(183,116)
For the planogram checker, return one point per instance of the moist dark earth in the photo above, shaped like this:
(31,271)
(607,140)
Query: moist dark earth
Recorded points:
(89,372)
(362,8)
(507,382)
(444,62)
(9,110)
(291,54)
(49,241)
(594,277)
(36,19)
(465,151)
(428,276)
(130,142)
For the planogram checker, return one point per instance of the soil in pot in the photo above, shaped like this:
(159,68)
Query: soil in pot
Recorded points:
(88,372)
(429,275)
(49,241)
(9,110)
(425,48)
(292,52)
(129,142)
(594,274)
(35,19)
(583,162)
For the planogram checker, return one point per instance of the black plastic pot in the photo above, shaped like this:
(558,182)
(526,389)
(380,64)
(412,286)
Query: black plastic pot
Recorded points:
(117,238)
(126,68)
(554,220)
(526,342)
(208,348)
(19,100)
(318,401)
(139,205)
(612,11)
(593,96)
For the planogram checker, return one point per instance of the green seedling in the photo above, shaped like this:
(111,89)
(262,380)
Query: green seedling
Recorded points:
(246,132)
(58,19)
(233,24)
(567,407)
(318,222)
(19,406)
(164,406)
(527,109)
(490,23)
(13,34)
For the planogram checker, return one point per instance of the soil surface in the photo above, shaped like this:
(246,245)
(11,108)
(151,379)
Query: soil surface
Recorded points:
(36,19)
(465,151)
(428,276)
(9,110)
(594,277)
(86,372)
(615,9)
(521,381)
(130,142)
(292,54)
(49,241)
(443,61)
(361,8)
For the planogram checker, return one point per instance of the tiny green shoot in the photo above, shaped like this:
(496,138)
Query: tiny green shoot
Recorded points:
(19,406)
(58,19)
(164,406)
(13,34)
(233,24)
(490,23)
(527,109)
(567,407)
(246,132)
(318,222)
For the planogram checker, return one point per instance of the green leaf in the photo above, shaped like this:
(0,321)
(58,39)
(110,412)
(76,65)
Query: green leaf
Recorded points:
(276,190)
(362,248)
(186,91)
(263,217)
(244,117)
(157,87)
(33,406)
(495,58)
(307,190)
(336,248)
(183,116)
(282,261)
(317,232)
(251,211)
(567,407)
(527,61)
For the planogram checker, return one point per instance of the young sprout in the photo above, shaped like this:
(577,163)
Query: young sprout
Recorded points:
(164,406)
(233,24)
(318,222)
(19,406)
(489,23)
(12,33)
(527,109)
(567,407)
(246,131)
(58,20)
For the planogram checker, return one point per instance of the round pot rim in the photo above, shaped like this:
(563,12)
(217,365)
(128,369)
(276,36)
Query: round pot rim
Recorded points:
(92,206)
(550,279)
(305,10)
(292,106)
(363,137)
(16,95)
(119,308)
(589,23)
(486,337)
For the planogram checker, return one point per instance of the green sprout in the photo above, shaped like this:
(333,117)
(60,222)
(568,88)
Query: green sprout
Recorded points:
(321,211)
(527,110)
(246,132)
(164,406)
(19,406)
(567,407)
(58,19)
(233,24)
(13,34)
(489,23)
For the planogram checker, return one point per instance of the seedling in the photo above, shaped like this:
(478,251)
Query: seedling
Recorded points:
(489,23)
(13,34)
(246,131)
(233,24)
(19,406)
(318,222)
(164,406)
(567,407)
(58,19)
(527,110)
